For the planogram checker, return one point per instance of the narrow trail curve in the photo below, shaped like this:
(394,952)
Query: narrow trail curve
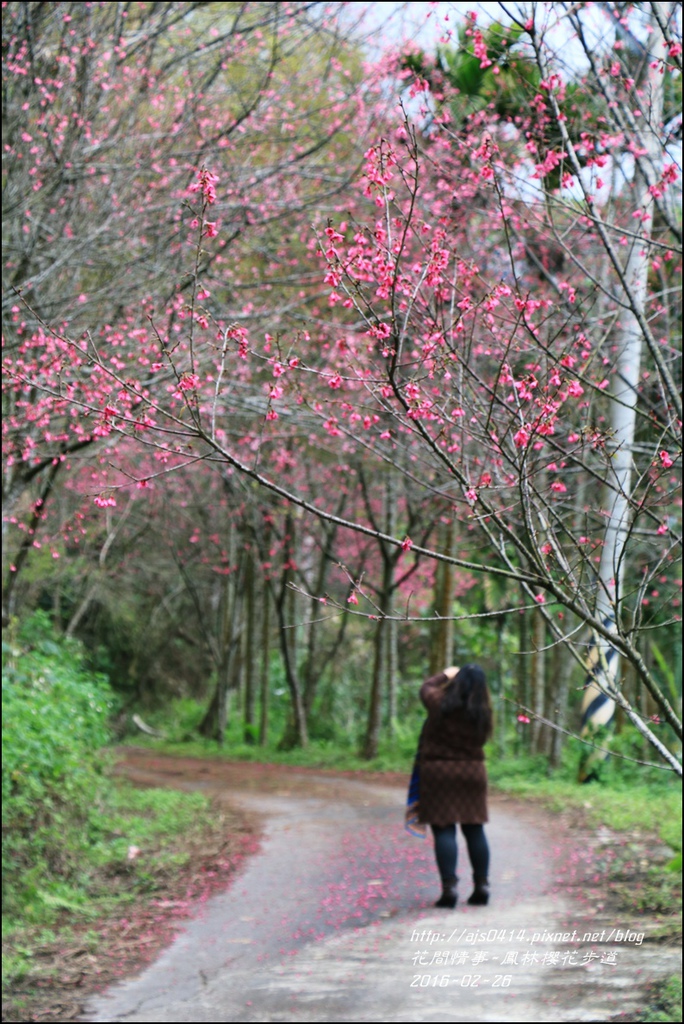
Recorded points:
(333,919)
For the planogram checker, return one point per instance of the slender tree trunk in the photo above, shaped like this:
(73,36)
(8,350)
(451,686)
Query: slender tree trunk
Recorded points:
(250,651)
(228,675)
(12,491)
(312,670)
(213,725)
(523,675)
(224,664)
(390,654)
(265,663)
(538,679)
(502,710)
(392,661)
(8,593)
(383,657)
(565,665)
(372,739)
(296,732)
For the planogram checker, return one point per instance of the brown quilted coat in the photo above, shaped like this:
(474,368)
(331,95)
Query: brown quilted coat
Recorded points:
(453,777)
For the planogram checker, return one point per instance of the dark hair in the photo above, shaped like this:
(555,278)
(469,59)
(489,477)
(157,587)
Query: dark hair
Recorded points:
(468,692)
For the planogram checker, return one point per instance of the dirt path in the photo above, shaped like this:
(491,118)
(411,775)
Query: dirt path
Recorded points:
(333,919)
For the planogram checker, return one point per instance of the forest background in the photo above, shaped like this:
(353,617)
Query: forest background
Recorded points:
(325,367)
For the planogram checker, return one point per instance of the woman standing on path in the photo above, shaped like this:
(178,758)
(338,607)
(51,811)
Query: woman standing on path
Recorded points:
(452,774)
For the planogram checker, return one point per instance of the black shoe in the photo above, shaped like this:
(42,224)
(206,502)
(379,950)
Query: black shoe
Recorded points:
(449,897)
(480,894)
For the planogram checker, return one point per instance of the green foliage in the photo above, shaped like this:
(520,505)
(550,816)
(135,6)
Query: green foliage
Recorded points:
(126,820)
(55,722)
(629,762)
(137,843)
(593,763)
(675,865)
(328,748)
(145,823)
(665,1001)
(673,679)
(651,801)
(507,82)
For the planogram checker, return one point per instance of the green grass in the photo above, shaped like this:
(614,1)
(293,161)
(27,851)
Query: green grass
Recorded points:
(179,723)
(149,820)
(66,823)
(654,806)
(665,1001)
(184,847)
(319,754)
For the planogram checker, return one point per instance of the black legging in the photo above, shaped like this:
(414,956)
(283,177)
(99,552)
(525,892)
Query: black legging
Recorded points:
(446,850)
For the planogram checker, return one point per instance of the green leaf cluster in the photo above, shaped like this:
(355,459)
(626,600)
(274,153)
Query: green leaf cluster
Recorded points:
(665,1001)
(508,82)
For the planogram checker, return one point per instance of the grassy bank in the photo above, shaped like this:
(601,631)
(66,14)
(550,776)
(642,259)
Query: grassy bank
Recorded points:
(157,853)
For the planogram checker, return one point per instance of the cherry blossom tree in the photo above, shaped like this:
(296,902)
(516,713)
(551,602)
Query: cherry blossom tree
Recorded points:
(499,74)
(107,112)
(508,400)
(498,330)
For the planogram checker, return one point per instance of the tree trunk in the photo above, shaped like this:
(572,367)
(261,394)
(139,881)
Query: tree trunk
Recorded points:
(372,739)
(383,658)
(296,733)
(538,679)
(502,709)
(392,662)
(565,665)
(228,676)
(250,652)
(8,592)
(523,675)
(213,725)
(265,663)
(390,654)
(313,670)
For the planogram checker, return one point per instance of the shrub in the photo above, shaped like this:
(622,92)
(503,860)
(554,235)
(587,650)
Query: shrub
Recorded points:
(55,722)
